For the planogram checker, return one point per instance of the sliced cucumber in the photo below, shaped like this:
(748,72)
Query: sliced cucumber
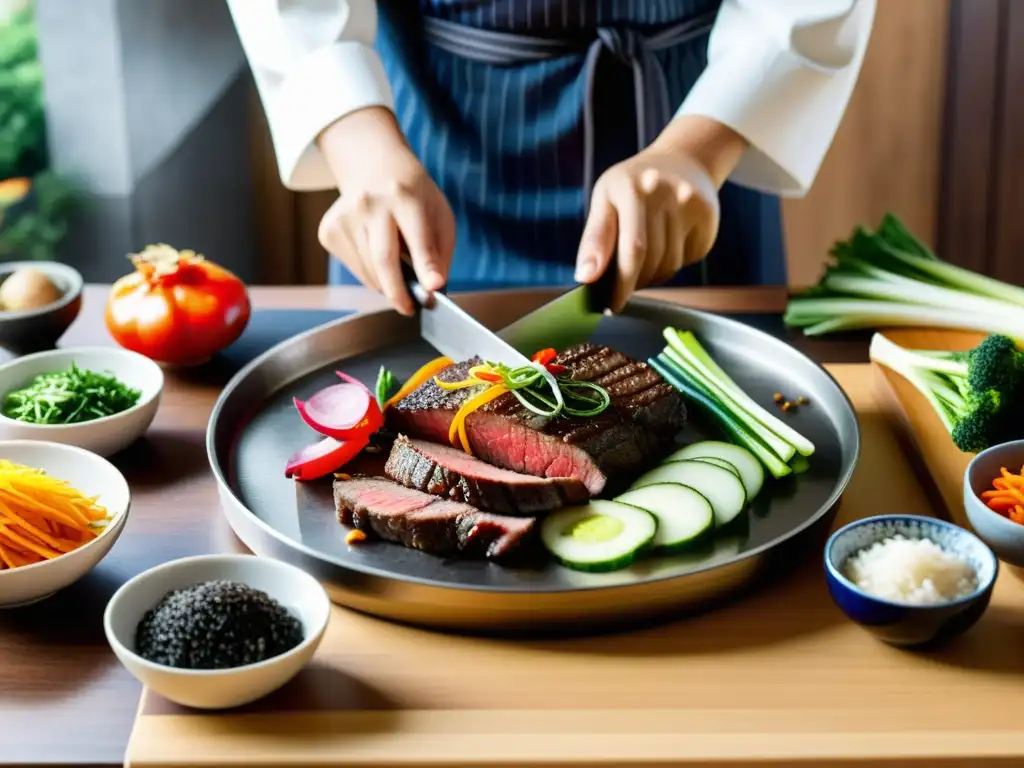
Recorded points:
(719,486)
(598,536)
(745,462)
(719,463)
(684,516)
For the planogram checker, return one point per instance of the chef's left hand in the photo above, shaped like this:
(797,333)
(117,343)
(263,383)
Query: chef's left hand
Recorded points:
(658,211)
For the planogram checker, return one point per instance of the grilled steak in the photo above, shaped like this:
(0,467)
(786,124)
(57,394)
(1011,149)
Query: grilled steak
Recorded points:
(421,521)
(645,414)
(446,471)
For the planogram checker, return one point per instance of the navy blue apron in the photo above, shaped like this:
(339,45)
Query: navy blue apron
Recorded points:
(515,108)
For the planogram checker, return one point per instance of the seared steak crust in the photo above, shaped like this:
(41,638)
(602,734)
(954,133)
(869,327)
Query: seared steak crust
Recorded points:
(420,521)
(645,414)
(445,471)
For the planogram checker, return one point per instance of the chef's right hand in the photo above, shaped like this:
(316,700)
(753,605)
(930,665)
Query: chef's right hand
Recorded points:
(388,201)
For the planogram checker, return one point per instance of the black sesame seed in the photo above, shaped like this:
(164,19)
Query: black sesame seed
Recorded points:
(216,625)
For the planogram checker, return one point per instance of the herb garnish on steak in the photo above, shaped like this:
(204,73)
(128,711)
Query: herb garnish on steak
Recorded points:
(418,520)
(644,416)
(449,472)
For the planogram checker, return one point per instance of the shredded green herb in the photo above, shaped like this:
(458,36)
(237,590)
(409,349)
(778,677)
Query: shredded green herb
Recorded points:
(385,385)
(69,397)
(528,382)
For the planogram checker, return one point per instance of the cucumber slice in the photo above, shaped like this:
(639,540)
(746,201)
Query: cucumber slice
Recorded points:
(719,463)
(719,486)
(746,463)
(598,536)
(684,517)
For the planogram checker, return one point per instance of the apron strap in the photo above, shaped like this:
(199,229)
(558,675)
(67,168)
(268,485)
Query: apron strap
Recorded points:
(628,45)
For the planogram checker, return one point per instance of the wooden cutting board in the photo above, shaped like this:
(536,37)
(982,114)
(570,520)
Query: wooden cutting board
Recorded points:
(775,677)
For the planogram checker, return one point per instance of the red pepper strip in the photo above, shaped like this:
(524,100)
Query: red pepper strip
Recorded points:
(486,376)
(428,371)
(544,356)
(555,369)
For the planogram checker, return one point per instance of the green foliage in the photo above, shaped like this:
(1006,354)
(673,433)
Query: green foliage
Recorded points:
(32,228)
(22,117)
(37,232)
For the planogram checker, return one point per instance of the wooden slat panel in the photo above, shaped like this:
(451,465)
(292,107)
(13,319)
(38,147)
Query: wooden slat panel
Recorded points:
(275,207)
(969,153)
(886,155)
(1007,186)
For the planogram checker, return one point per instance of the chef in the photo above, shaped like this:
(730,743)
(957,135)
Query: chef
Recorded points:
(512,143)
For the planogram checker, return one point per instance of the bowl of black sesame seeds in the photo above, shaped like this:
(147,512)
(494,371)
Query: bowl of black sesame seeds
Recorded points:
(217,631)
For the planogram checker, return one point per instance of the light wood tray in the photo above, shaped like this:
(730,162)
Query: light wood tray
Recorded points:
(779,676)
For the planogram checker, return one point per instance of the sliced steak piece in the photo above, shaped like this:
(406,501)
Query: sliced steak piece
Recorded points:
(452,473)
(645,415)
(418,520)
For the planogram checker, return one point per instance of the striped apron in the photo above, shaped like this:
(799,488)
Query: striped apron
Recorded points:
(515,108)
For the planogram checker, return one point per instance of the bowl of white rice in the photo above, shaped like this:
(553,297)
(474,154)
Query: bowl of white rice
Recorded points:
(910,580)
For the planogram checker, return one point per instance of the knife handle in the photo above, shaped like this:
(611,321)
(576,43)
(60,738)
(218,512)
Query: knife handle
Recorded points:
(420,295)
(599,294)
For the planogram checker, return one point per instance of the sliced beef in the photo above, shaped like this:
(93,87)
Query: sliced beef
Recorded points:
(418,520)
(452,473)
(645,414)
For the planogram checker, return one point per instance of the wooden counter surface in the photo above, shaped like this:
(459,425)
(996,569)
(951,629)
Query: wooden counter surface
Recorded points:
(65,700)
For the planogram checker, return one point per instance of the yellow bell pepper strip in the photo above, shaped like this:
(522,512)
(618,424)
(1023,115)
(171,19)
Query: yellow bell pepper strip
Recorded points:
(458,426)
(428,371)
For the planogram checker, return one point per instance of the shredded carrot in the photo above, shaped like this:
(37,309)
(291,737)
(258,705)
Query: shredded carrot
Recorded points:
(41,517)
(355,537)
(1006,496)
(458,425)
(429,370)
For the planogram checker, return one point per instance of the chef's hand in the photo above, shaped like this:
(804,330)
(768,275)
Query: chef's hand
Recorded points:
(658,211)
(388,201)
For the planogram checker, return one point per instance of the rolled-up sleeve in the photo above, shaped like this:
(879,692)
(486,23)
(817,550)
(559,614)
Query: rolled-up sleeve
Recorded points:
(313,63)
(780,73)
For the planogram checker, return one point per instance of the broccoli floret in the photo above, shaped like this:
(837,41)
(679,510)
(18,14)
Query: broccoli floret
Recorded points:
(979,394)
(978,424)
(996,364)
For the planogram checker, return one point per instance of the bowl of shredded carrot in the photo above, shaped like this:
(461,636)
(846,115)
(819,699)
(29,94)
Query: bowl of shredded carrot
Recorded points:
(994,499)
(61,510)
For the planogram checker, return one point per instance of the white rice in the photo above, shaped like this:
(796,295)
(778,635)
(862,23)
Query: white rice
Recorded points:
(915,571)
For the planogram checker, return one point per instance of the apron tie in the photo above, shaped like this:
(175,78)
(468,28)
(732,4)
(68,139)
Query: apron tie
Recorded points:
(626,44)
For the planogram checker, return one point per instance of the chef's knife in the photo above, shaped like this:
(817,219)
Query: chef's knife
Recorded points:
(455,333)
(570,319)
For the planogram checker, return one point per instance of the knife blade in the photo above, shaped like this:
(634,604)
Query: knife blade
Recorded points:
(570,319)
(454,332)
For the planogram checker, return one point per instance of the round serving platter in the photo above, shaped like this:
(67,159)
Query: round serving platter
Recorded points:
(255,428)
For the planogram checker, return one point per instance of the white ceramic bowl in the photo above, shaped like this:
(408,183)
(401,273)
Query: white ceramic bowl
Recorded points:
(219,688)
(105,436)
(93,476)
(1002,534)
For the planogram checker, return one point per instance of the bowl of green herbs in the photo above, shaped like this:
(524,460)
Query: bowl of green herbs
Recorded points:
(98,398)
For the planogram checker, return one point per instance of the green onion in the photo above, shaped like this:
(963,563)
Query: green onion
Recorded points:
(385,385)
(888,278)
(69,397)
(523,383)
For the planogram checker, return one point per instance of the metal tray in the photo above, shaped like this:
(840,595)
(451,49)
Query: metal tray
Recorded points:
(254,428)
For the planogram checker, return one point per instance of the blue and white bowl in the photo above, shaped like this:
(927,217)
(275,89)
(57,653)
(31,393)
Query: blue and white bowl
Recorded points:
(905,624)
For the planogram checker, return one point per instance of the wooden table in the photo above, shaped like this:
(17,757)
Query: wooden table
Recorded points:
(63,697)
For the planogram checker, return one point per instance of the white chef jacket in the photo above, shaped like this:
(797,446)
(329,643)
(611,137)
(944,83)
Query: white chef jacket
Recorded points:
(780,73)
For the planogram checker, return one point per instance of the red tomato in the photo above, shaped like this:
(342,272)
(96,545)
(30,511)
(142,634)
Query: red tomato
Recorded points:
(176,307)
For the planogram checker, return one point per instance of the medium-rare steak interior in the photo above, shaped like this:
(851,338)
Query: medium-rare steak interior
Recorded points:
(421,521)
(644,416)
(449,472)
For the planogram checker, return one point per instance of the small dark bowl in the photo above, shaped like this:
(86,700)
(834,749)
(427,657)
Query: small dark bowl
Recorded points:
(33,330)
(904,624)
